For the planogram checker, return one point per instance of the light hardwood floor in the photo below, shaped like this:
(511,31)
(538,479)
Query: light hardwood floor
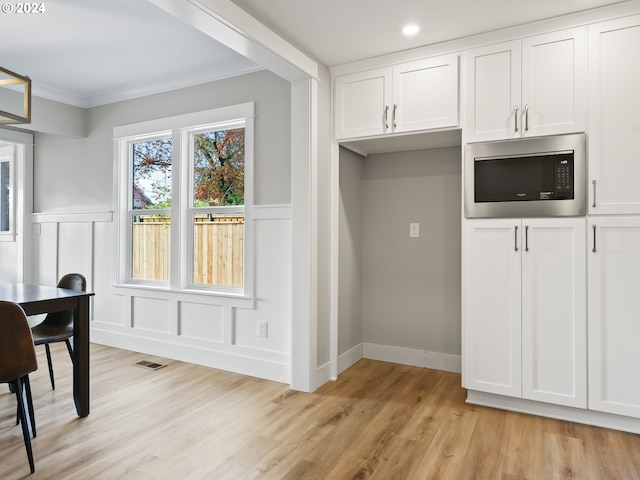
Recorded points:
(378,421)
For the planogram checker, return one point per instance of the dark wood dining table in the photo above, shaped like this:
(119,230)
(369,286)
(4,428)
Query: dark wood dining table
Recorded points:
(38,299)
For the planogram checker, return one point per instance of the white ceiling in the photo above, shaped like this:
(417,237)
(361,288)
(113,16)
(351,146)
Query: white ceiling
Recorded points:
(93,52)
(342,31)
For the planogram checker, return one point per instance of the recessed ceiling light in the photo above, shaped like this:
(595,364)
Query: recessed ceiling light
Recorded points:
(410,30)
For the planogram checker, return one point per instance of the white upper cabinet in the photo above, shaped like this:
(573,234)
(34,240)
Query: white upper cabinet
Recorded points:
(614,125)
(530,87)
(413,96)
(362,103)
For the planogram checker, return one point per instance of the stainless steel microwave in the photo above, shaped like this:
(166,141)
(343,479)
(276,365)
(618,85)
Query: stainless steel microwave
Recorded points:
(530,177)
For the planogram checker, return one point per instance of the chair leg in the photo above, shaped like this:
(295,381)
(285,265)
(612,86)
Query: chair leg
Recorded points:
(48,350)
(32,417)
(22,412)
(69,349)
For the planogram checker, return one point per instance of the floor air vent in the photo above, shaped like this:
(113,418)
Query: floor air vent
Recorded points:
(149,365)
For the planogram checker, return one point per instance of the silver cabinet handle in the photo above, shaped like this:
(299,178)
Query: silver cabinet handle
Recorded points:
(386,116)
(593,182)
(594,239)
(395,108)
(516,117)
(515,239)
(526,118)
(526,238)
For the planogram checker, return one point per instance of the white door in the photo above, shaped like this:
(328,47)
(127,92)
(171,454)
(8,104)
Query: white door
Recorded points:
(425,94)
(554,83)
(493,89)
(614,320)
(554,311)
(614,126)
(491,306)
(362,104)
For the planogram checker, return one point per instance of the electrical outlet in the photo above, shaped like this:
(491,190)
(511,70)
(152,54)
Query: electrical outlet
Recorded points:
(414,230)
(262,328)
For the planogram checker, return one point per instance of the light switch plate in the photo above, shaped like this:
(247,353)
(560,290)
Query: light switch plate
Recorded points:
(414,230)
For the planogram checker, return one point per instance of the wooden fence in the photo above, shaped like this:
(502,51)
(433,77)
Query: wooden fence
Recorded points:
(218,251)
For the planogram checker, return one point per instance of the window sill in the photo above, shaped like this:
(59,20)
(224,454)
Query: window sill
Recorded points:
(185,295)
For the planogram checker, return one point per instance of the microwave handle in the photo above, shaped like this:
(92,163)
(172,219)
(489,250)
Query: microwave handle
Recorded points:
(593,182)
(515,116)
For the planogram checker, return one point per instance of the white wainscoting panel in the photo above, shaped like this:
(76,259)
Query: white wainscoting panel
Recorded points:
(210,330)
(197,320)
(75,253)
(45,254)
(151,314)
(272,289)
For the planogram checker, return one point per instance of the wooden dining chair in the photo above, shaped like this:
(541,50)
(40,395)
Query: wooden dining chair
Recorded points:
(17,360)
(58,326)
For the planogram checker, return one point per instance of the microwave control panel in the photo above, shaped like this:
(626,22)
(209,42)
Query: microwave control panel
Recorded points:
(564,179)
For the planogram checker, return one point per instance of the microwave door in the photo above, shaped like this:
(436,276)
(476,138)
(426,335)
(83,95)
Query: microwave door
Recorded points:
(508,179)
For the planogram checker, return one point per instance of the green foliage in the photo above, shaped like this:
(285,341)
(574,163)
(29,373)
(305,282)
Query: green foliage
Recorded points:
(219,167)
(218,178)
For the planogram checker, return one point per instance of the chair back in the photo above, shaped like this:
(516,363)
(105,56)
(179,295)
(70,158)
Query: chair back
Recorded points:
(64,320)
(73,281)
(17,352)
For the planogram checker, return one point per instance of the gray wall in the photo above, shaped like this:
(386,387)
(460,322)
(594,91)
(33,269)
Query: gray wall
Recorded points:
(350,254)
(77,174)
(411,286)
(400,291)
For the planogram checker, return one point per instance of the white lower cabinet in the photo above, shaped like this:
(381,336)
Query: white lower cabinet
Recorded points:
(614,322)
(524,309)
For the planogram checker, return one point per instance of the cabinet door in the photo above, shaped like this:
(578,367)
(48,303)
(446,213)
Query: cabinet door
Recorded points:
(554,311)
(614,130)
(425,94)
(614,303)
(491,307)
(554,83)
(493,92)
(362,104)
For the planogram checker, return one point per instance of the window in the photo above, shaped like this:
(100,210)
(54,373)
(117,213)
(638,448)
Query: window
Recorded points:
(185,201)
(7,154)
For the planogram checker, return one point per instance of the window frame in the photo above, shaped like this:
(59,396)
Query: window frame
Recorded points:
(180,128)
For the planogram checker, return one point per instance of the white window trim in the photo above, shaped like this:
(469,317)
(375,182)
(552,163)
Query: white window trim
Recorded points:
(180,127)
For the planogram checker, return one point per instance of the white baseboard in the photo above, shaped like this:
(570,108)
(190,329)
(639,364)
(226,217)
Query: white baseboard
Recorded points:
(401,355)
(238,363)
(414,357)
(578,415)
(350,357)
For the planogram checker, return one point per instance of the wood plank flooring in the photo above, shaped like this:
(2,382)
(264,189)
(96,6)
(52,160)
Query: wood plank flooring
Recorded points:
(378,421)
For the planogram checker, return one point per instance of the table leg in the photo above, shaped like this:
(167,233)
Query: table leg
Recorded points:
(81,356)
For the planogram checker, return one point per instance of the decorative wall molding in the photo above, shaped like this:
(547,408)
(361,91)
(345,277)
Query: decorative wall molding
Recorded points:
(72,217)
